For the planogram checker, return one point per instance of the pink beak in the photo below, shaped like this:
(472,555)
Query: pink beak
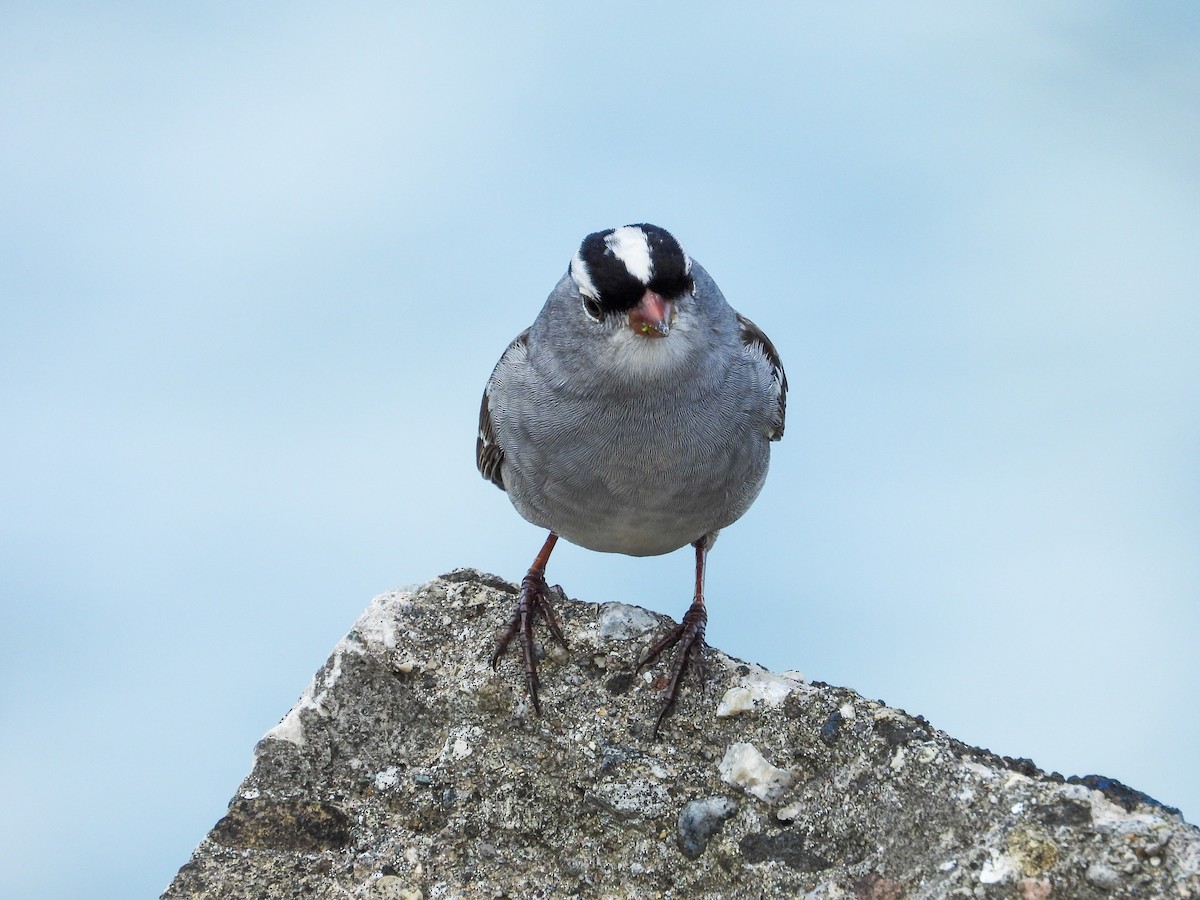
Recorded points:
(653,316)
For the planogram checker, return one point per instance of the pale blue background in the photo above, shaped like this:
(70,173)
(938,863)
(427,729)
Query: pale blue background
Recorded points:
(256,265)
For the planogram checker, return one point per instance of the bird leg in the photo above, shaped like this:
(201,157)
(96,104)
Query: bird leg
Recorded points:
(689,634)
(533,599)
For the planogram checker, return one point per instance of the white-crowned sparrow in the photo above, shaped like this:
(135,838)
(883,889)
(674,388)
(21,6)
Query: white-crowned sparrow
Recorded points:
(634,416)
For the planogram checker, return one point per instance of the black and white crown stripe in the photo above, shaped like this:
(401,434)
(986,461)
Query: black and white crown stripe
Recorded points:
(614,267)
(582,277)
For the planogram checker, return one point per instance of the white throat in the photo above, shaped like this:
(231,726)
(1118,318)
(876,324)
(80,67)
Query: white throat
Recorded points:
(641,357)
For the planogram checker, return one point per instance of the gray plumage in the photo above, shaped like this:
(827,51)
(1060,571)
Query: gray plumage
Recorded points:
(628,444)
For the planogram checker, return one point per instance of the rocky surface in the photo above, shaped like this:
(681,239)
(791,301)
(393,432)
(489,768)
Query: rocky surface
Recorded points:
(408,769)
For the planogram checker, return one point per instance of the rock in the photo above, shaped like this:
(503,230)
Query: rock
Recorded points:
(409,769)
(744,767)
(620,621)
(758,688)
(638,798)
(699,820)
(1103,877)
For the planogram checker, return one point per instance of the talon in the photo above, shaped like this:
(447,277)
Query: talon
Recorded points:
(534,599)
(689,635)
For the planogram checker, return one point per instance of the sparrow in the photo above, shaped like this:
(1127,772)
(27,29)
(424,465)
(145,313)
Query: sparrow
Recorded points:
(636,416)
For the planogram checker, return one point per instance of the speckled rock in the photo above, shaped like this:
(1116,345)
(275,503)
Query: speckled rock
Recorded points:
(408,769)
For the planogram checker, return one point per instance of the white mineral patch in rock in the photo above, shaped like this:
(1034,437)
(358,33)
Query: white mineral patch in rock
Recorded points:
(736,700)
(1079,792)
(847,710)
(769,688)
(758,688)
(333,673)
(743,766)
(789,813)
(1000,867)
(290,727)
(390,887)
(456,748)
(980,770)
(377,624)
(1016,778)
(661,772)
(618,622)
(1110,817)
(830,890)
(388,778)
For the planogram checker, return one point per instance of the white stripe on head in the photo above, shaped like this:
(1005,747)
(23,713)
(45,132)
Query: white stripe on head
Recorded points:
(582,277)
(628,244)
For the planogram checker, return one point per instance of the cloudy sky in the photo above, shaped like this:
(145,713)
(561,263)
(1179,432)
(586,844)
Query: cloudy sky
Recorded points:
(257,263)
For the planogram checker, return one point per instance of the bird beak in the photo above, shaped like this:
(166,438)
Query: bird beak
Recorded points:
(653,316)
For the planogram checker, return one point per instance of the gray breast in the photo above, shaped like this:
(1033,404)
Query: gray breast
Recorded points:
(636,473)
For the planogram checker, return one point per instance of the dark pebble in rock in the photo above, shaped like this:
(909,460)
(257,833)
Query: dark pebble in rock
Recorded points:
(699,820)
(829,731)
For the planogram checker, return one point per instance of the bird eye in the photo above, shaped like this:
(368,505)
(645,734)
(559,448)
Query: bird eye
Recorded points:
(591,308)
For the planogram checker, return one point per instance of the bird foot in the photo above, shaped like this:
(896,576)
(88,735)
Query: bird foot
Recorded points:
(533,600)
(689,635)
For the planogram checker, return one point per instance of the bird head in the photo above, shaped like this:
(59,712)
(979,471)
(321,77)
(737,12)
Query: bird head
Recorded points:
(639,272)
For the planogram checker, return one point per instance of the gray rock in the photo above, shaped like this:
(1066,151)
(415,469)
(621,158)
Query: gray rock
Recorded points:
(620,622)
(699,820)
(638,798)
(409,769)
(1102,877)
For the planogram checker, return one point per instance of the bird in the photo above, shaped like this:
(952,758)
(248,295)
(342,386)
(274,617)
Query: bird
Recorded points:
(635,416)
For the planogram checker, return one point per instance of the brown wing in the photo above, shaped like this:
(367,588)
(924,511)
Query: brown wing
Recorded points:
(489,456)
(753,337)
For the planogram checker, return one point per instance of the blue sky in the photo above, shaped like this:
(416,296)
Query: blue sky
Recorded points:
(257,263)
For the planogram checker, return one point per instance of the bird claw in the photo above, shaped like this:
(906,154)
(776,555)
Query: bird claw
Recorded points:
(534,599)
(689,635)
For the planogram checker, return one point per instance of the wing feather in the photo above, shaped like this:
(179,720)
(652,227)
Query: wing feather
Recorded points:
(754,339)
(489,455)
